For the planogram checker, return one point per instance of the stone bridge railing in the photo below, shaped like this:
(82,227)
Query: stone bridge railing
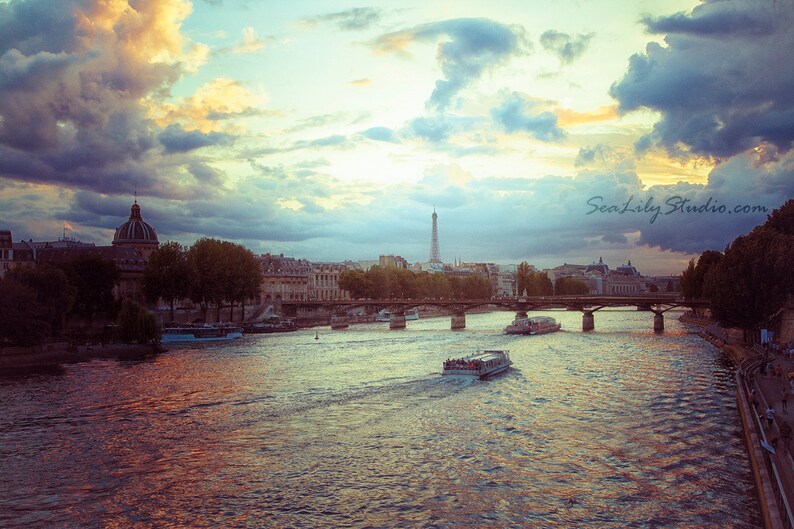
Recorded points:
(588,305)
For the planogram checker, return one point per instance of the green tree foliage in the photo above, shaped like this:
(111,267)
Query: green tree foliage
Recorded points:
(21,318)
(523,278)
(433,286)
(403,284)
(381,283)
(242,276)
(136,324)
(696,280)
(570,286)
(167,275)
(753,280)
(93,279)
(54,294)
(356,283)
(222,271)
(541,285)
(470,287)
(396,283)
(531,283)
(204,259)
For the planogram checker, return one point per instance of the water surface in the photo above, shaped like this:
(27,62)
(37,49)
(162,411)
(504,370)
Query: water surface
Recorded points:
(615,428)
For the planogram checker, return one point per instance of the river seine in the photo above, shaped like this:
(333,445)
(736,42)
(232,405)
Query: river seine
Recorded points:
(615,428)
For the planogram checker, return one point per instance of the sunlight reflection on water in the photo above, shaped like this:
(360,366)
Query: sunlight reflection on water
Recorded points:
(616,428)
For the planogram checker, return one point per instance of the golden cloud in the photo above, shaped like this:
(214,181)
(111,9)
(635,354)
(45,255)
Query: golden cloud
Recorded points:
(210,106)
(567,117)
(149,32)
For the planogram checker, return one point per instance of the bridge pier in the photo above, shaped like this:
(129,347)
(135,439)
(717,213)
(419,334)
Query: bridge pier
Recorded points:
(340,322)
(658,321)
(397,320)
(458,321)
(588,321)
(521,314)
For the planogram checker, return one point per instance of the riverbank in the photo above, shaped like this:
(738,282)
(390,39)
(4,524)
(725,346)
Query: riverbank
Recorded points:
(729,340)
(773,472)
(51,356)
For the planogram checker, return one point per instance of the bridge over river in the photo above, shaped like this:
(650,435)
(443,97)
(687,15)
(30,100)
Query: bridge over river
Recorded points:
(658,304)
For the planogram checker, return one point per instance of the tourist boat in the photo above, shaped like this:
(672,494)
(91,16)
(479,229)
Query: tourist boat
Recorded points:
(533,325)
(385,315)
(481,364)
(204,332)
(274,325)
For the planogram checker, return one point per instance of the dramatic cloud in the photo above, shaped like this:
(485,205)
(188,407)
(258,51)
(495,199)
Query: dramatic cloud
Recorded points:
(723,84)
(175,139)
(206,110)
(516,114)
(564,46)
(474,46)
(75,84)
(320,149)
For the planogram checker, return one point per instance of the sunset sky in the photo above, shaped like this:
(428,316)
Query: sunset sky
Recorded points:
(330,130)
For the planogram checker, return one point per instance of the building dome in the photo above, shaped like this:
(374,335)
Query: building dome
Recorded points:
(600,268)
(136,233)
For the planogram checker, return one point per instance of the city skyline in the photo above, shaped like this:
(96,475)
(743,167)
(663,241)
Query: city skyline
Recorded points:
(331,130)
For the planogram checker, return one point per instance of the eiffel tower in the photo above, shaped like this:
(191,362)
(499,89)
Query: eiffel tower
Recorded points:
(435,256)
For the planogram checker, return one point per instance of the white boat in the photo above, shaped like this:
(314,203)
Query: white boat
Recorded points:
(533,325)
(385,315)
(481,364)
(199,333)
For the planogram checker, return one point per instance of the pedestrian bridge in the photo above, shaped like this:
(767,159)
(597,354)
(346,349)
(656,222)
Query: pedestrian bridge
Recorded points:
(658,304)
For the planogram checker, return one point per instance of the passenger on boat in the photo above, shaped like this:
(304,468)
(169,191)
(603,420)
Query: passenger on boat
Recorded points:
(462,363)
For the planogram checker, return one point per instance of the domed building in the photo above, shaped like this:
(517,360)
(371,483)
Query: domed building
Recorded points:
(137,234)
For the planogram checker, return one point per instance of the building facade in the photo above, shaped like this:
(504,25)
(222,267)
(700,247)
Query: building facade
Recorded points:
(14,254)
(285,278)
(324,281)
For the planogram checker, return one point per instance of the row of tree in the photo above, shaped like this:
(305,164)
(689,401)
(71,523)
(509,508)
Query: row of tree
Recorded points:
(210,273)
(37,302)
(396,283)
(752,280)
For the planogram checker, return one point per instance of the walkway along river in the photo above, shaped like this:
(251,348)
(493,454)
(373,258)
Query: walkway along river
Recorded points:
(615,428)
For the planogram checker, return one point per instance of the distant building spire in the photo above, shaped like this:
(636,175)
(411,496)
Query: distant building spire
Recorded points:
(435,255)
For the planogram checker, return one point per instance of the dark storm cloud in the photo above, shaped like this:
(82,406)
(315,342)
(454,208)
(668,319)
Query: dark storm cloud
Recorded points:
(566,47)
(715,23)
(554,215)
(33,27)
(175,139)
(516,114)
(723,84)
(72,91)
(472,46)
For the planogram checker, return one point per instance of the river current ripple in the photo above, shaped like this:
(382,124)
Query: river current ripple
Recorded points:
(614,428)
